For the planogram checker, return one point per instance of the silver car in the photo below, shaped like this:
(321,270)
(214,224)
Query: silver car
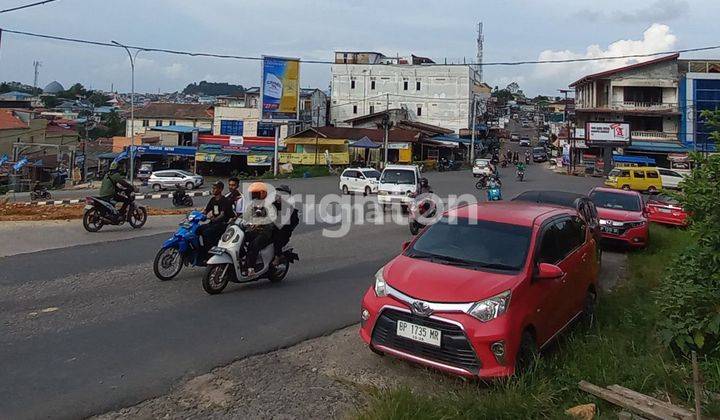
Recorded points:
(160,180)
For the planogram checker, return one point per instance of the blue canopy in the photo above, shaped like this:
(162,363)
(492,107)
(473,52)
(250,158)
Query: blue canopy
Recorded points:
(634,159)
(365,143)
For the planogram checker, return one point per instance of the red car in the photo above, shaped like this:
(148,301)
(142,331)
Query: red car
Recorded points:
(478,293)
(622,216)
(665,210)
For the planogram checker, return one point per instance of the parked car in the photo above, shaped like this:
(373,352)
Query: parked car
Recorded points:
(539,154)
(160,180)
(622,216)
(580,202)
(525,123)
(524,141)
(481,167)
(663,209)
(514,137)
(399,184)
(480,297)
(364,180)
(146,169)
(670,178)
(641,178)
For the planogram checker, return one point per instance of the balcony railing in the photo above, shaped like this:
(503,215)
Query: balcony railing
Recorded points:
(660,136)
(633,106)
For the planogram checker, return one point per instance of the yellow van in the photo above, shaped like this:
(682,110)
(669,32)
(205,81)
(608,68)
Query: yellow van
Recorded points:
(641,178)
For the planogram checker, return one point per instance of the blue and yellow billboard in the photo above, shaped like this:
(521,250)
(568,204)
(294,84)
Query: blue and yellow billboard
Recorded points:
(280,88)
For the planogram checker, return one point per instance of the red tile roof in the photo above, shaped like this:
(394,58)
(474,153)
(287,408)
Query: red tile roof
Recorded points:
(351,133)
(626,68)
(8,121)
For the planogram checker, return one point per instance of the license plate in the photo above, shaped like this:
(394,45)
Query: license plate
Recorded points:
(663,210)
(88,207)
(216,250)
(419,333)
(614,231)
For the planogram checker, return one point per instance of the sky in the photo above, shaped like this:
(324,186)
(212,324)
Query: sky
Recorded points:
(313,29)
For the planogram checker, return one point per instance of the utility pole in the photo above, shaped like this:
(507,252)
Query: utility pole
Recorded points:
(567,128)
(37,66)
(386,123)
(472,135)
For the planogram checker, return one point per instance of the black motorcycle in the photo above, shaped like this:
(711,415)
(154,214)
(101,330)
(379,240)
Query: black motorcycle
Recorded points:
(520,175)
(482,182)
(99,212)
(424,208)
(181,198)
(41,194)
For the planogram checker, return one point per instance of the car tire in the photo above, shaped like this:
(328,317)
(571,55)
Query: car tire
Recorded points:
(189,186)
(345,190)
(157,187)
(652,190)
(527,354)
(626,187)
(368,191)
(589,306)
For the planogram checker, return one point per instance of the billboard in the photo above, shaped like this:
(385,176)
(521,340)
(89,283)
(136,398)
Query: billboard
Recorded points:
(608,133)
(280,89)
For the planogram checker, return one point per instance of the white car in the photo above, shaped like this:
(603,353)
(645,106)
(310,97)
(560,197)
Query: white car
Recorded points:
(670,178)
(364,180)
(160,180)
(481,167)
(399,184)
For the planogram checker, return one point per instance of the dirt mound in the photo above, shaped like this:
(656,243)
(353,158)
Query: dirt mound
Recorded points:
(10,212)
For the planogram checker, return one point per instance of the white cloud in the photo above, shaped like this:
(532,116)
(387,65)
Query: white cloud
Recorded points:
(656,38)
(659,10)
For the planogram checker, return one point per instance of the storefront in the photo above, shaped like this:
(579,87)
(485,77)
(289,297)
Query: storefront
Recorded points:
(225,155)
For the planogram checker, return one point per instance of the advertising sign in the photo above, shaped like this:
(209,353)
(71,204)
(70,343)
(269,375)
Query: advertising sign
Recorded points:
(259,160)
(609,133)
(280,88)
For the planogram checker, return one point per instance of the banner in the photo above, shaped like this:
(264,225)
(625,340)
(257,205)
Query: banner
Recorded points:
(612,133)
(259,160)
(280,88)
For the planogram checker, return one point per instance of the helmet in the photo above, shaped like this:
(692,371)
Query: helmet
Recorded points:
(283,188)
(257,191)
(114,165)
(424,182)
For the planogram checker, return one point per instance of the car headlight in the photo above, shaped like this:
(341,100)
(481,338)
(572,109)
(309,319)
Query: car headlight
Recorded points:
(491,308)
(382,193)
(380,285)
(635,224)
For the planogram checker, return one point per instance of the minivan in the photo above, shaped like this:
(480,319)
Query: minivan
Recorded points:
(399,184)
(641,178)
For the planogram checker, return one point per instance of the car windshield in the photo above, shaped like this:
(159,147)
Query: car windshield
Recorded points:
(538,150)
(616,201)
(398,176)
(372,174)
(615,172)
(482,245)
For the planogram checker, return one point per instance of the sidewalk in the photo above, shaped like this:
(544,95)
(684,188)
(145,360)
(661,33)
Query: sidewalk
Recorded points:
(25,237)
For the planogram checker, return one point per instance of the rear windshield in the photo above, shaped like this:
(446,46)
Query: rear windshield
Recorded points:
(538,150)
(617,201)
(398,176)
(372,174)
(481,162)
(484,245)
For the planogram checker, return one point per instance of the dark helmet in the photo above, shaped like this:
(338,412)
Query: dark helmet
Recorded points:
(283,188)
(424,182)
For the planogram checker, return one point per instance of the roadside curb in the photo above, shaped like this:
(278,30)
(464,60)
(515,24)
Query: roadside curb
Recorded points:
(137,197)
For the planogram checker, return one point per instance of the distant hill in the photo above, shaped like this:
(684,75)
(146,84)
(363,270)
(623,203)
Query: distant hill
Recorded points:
(213,89)
(18,87)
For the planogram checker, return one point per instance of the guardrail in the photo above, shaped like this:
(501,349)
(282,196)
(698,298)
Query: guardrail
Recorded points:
(654,136)
(137,197)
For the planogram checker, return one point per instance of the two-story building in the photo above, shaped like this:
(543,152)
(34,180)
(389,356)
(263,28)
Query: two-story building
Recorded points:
(699,91)
(368,82)
(163,114)
(645,95)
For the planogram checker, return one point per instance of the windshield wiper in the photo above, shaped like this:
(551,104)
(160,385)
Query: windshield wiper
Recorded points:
(497,266)
(454,261)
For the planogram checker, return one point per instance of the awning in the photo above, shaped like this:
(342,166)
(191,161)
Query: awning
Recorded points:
(641,160)
(319,140)
(365,143)
(165,150)
(656,147)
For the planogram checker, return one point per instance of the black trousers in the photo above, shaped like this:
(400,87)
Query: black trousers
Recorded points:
(257,239)
(210,234)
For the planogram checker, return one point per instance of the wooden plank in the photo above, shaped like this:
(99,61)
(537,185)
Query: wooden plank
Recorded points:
(618,399)
(678,412)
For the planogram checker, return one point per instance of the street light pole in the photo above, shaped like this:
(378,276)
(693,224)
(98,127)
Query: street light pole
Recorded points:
(571,164)
(472,135)
(132,107)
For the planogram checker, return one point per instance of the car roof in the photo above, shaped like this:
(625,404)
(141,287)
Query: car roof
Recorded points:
(406,167)
(616,191)
(510,212)
(557,198)
(360,169)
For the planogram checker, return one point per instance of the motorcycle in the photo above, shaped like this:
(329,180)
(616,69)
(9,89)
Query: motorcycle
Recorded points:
(482,183)
(180,197)
(424,208)
(41,194)
(227,262)
(183,248)
(504,163)
(527,159)
(449,165)
(99,212)
(494,193)
(520,175)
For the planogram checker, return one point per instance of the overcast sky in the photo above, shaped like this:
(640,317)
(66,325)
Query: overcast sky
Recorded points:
(514,30)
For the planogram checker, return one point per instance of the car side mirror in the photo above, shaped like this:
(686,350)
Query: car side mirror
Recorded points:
(547,271)
(405,245)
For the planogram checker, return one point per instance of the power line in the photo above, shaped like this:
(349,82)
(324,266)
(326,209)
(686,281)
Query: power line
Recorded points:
(37,3)
(308,61)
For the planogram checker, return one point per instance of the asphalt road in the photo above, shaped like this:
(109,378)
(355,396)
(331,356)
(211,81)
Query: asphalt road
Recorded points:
(87,329)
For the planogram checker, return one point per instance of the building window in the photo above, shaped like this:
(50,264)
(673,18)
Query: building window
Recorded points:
(352,84)
(231,127)
(146,123)
(372,85)
(372,109)
(173,122)
(265,129)
(417,85)
(419,111)
(354,109)
(158,123)
(405,85)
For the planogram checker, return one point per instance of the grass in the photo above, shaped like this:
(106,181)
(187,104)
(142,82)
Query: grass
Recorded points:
(299,171)
(622,348)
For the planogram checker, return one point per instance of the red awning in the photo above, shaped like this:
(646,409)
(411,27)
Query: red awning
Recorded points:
(246,140)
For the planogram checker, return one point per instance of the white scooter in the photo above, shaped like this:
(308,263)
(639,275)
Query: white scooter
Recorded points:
(226,263)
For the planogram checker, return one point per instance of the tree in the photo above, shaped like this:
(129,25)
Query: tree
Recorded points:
(503,96)
(50,101)
(513,88)
(98,98)
(75,90)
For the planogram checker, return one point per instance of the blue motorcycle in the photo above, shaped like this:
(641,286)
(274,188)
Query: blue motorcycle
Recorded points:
(183,248)
(494,193)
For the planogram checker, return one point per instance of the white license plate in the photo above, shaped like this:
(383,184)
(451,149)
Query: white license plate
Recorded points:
(663,210)
(419,333)
(88,207)
(216,250)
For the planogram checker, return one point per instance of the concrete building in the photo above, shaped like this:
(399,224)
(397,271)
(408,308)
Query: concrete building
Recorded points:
(313,107)
(699,90)
(645,95)
(368,82)
(159,114)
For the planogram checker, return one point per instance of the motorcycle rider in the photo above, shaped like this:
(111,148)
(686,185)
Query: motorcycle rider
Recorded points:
(283,231)
(520,168)
(114,187)
(219,212)
(235,196)
(259,230)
